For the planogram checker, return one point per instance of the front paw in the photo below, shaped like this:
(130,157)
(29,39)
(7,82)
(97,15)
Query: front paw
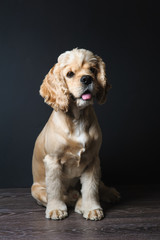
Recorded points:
(96,214)
(56,214)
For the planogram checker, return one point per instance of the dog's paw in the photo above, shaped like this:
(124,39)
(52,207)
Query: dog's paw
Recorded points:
(56,214)
(96,214)
(111,195)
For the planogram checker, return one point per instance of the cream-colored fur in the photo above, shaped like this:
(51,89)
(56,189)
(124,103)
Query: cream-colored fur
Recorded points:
(66,153)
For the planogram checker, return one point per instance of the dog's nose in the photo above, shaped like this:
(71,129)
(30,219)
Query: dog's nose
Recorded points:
(86,79)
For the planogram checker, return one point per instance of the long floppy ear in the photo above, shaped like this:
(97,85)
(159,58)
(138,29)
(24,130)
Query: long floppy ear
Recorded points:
(54,90)
(103,85)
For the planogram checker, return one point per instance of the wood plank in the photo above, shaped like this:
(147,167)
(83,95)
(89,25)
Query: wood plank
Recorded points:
(136,216)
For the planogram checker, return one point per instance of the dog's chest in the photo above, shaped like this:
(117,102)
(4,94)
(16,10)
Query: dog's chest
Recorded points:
(80,135)
(74,158)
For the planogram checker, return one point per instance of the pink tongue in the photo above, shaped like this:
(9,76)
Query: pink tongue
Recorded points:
(86,96)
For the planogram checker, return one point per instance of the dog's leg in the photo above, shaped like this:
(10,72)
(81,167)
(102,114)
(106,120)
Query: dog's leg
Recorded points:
(89,205)
(56,208)
(38,191)
(108,194)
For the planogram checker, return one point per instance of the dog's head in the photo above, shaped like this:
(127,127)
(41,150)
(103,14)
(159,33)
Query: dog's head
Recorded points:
(78,76)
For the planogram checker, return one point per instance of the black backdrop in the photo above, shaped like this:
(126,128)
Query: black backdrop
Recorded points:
(124,34)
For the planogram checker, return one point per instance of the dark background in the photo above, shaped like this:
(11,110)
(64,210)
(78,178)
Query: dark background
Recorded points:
(124,33)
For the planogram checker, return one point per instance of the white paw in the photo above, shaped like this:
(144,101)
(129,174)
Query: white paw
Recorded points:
(96,214)
(56,214)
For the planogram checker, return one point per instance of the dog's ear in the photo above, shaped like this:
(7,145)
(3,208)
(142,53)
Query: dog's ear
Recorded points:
(103,85)
(54,89)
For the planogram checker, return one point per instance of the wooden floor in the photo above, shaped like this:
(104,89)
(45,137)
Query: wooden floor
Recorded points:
(135,217)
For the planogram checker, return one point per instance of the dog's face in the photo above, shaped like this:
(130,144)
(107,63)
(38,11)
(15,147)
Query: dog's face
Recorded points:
(80,72)
(78,76)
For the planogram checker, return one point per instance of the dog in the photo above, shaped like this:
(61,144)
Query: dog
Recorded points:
(66,153)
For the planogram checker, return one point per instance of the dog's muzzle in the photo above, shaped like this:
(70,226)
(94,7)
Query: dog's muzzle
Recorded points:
(86,79)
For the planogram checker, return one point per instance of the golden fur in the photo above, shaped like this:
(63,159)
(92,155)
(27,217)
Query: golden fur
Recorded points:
(67,149)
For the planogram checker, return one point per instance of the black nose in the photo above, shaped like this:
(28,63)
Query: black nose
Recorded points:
(86,79)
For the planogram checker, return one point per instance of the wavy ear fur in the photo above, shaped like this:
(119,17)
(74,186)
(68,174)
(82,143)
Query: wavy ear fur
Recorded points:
(103,85)
(54,90)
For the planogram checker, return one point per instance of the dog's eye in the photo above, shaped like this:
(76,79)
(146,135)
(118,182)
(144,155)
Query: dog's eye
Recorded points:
(70,74)
(93,70)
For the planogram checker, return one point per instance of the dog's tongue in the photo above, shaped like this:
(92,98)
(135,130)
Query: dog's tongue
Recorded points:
(86,96)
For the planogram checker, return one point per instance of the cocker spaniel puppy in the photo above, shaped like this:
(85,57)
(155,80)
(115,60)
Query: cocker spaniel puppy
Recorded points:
(66,153)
